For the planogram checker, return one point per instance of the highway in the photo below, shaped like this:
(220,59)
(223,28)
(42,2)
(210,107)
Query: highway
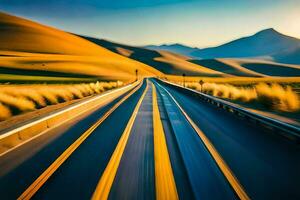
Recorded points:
(153,142)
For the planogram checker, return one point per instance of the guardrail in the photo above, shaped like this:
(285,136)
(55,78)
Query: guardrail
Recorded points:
(287,130)
(19,135)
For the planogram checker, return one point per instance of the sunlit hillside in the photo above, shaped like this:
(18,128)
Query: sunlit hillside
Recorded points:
(39,50)
(173,64)
(228,66)
(250,67)
(267,68)
(164,61)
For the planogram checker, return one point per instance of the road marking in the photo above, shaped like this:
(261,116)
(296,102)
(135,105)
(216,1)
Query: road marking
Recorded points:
(103,96)
(64,110)
(38,183)
(164,178)
(104,185)
(233,181)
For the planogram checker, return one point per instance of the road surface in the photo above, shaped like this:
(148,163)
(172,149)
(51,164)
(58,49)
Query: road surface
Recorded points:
(153,142)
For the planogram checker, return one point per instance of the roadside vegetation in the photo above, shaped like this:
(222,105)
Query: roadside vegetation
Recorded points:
(271,96)
(233,80)
(16,99)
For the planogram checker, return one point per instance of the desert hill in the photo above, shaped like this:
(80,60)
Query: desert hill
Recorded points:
(164,61)
(40,50)
(37,47)
(250,67)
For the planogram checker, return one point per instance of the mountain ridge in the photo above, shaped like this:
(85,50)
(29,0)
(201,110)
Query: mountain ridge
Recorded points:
(176,48)
(267,44)
(164,61)
(263,43)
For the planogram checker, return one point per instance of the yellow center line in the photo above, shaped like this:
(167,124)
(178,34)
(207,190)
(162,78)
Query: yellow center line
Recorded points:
(39,182)
(104,185)
(233,181)
(164,179)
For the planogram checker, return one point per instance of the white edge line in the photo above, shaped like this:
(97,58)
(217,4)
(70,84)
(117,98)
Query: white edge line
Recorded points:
(60,112)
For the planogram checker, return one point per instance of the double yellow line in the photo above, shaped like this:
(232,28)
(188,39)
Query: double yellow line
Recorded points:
(107,178)
(164,179)
(38,183)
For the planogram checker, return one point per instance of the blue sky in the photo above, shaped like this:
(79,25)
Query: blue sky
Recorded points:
(139,22)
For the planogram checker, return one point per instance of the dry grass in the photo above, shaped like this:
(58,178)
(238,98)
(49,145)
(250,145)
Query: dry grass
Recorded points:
(233,80)
(271,96)
(276,97)
(16,99)
(4,112)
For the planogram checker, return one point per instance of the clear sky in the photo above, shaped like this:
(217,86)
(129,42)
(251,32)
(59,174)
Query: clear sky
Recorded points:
(200,23)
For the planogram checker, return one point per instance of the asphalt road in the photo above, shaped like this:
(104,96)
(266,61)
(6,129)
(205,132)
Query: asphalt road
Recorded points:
(265,164)
(120,159)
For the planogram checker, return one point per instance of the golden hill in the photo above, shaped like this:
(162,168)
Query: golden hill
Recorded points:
(164,61)
(173,64)
(250,67)
(36,47)
(39,50)
(266,68)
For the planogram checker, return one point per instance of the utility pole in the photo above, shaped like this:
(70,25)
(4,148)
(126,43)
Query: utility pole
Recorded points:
(183,75)
(136,74)
(201,84)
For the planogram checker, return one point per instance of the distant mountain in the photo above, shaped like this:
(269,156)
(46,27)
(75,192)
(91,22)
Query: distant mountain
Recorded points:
(176,48)
(266,43)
